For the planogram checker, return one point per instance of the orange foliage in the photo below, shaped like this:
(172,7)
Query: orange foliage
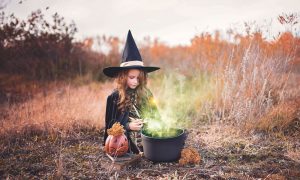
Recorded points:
(116,130)
(50,53)
(287,43)
(189,156)
(280,116)
(206,52)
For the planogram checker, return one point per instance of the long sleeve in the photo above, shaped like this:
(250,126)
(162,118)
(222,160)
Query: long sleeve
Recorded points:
(108,116)
(113,115)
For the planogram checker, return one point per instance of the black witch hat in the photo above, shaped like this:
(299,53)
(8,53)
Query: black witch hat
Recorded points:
(131,59)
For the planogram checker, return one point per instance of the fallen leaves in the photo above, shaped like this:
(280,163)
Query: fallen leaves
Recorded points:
(189,156)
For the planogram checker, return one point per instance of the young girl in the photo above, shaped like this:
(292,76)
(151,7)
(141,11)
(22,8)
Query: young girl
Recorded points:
(131,102)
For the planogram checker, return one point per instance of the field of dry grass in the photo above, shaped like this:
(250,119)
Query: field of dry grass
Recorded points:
(57,133)
(238,100)
(244,121)
(55,108)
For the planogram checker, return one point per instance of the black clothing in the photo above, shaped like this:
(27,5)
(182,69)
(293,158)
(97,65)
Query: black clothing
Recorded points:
(146,110)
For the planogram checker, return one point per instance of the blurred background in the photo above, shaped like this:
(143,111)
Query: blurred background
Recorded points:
(230,62)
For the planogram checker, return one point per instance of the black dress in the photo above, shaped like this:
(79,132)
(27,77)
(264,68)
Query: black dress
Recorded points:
(147,109)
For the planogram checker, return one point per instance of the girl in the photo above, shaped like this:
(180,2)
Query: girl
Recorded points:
(131,102)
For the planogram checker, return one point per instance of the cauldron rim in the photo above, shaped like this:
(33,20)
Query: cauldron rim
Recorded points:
(163,138)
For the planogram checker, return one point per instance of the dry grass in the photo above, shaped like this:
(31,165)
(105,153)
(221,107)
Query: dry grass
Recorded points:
(56,110)
(294,154)
(239,90)
(250,88)
(280,117)
(217,136)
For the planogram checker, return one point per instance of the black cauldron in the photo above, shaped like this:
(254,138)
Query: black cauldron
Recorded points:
(163,149)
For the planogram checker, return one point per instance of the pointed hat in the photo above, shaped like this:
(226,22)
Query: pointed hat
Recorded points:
(131,59)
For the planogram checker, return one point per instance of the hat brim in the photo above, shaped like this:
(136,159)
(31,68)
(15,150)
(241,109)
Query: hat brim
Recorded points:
(113,71)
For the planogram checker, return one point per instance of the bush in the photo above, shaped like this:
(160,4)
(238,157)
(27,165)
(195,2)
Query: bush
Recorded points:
(43,50)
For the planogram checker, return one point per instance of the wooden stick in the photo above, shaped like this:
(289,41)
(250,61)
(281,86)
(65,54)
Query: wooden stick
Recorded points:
(110,157)
(136,111)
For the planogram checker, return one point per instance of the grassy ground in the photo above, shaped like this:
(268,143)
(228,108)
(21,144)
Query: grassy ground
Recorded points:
(56,133)
(225,154)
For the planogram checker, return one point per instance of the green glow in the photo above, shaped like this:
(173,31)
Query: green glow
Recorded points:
(159,129)
(179,100)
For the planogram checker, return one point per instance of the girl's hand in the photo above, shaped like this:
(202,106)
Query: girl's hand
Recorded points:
(135,124)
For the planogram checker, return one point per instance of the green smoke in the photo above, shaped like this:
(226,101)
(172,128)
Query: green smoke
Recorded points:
(179,100)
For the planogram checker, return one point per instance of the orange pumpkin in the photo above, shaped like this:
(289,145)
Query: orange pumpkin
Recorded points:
(116,145)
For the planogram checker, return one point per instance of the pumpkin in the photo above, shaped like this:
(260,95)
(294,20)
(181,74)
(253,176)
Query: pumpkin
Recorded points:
(116,145)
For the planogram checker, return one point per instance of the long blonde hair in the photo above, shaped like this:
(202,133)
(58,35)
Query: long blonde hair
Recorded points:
(121,82)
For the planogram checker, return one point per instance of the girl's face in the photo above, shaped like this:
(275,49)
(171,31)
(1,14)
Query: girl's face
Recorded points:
(133,78)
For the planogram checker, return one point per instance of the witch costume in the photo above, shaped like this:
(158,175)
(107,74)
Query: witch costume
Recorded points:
(131,59)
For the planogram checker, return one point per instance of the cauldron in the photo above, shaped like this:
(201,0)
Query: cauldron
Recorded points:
(163,149)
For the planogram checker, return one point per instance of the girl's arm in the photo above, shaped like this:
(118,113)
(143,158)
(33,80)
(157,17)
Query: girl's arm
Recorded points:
(113,115)
(108,115)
